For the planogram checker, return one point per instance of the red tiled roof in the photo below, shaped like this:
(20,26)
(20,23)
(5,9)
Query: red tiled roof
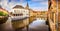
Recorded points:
(3,9)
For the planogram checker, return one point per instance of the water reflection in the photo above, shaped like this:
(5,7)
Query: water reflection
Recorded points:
(38,25)
(38,22)
(8,24)
(35,25)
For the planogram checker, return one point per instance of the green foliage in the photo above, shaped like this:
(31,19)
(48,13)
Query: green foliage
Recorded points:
(3,14)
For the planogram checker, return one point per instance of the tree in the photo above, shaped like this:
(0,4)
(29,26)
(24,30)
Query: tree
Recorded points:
(1,13)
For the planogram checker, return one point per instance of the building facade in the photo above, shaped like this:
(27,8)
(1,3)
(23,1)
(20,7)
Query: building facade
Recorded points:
(20,11)
(58,15)
(52,14)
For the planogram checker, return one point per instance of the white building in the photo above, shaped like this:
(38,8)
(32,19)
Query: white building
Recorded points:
(20,11)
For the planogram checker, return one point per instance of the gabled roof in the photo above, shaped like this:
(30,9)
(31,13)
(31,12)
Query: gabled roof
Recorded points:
(18,6)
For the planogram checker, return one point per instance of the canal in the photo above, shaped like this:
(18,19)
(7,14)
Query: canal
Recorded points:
(37,25)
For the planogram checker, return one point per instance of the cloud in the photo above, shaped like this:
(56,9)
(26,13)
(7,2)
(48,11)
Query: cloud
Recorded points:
(44,3)
(36,5)
(17,1)
(39,0)
(0,0)
(9,5)
(36,0)
(4,3)
(39,8)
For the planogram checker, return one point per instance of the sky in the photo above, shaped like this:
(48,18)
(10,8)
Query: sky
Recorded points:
(37,5)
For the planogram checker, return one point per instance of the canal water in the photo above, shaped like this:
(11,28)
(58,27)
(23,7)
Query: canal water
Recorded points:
(37,25)
(38,22)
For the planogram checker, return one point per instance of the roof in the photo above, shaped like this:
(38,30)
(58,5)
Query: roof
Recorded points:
(4,10)
(18,6)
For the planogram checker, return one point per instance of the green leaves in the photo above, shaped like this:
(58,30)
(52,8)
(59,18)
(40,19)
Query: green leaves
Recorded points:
(3,14)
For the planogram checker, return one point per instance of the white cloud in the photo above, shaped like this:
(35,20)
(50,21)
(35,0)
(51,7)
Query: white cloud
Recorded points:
(6,5)
(44,2)
(39,0)
(36,0)
(10,5)
(22,0)
(39,9)
(4,2)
